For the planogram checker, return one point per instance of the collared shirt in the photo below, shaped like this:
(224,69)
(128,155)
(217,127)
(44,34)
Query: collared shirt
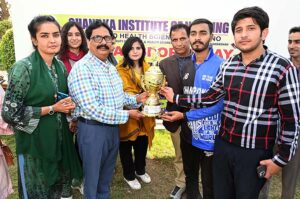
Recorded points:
(298,71)
(97,90)
(182,61)
(261,102)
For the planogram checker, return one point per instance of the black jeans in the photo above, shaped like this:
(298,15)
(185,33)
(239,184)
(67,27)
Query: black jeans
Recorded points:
(234,170)
(194,158)
(140,146)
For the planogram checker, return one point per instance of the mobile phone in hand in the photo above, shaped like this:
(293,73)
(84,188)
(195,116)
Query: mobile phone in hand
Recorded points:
(61,95)
(261,171)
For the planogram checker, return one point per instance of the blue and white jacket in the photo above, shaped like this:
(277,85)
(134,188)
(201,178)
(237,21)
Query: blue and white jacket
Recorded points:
(202,124)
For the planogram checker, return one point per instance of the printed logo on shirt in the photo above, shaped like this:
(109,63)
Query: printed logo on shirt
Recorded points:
(193,90)
(208,78)
(205,129)
(186,76)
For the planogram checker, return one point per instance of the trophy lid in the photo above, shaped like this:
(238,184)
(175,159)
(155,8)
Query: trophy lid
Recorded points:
(154,70)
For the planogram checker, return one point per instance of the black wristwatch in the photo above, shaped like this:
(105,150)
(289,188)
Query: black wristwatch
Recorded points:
(51,110)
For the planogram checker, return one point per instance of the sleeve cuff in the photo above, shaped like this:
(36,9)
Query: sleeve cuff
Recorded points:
(277,160)
(185,117)
(36,112)
(124,117)
(175,99)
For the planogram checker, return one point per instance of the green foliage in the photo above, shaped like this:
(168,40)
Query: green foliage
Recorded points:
(7,50)
(4,26)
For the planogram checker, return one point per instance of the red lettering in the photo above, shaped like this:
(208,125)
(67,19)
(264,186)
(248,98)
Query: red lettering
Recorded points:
(224,53)
(219,53)
(118,51)
(163,52)
(149,49)
(227,52)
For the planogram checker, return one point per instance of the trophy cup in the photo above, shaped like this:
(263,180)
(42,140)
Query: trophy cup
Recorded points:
(152,81)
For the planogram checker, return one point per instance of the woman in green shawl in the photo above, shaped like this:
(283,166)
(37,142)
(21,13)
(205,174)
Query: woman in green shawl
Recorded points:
(47,160)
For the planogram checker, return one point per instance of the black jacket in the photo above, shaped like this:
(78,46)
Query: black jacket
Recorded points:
(170,68)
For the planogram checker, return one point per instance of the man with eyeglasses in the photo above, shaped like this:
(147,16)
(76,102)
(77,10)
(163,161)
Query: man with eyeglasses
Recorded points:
(97,90)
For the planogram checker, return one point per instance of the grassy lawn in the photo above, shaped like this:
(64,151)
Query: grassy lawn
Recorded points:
(159,167)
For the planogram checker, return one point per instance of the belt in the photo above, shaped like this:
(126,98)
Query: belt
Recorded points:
(94,122)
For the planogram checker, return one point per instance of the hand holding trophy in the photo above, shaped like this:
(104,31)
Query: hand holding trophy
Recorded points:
(151,82)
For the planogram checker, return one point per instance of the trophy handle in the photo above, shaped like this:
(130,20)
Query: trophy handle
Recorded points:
(143,82)
(164,82)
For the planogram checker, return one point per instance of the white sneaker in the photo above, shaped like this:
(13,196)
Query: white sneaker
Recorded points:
(67,197)
(145,178)
(134,184)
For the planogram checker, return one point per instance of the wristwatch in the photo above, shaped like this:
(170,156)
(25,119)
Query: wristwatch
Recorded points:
(51,110)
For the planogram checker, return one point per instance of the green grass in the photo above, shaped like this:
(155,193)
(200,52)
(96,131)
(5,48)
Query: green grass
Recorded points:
(160,168)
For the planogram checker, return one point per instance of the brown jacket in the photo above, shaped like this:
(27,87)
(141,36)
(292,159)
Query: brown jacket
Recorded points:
(170,68)
(133,128)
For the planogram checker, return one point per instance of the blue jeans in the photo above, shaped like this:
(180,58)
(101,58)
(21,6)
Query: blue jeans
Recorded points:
(98,148)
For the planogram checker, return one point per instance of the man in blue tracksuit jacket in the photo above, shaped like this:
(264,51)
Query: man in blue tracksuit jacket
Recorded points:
(199,126)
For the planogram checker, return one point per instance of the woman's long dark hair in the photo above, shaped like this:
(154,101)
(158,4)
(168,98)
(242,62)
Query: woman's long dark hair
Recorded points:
(127,48)
(64,38)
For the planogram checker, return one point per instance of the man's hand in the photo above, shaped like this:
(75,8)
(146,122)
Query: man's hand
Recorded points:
(141,98)
(272,168)
(168,93)
(135,114)
(172,116)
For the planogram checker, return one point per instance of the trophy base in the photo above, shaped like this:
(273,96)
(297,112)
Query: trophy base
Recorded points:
(151,111)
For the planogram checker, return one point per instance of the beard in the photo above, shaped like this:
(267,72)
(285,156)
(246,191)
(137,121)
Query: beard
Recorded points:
(200,48)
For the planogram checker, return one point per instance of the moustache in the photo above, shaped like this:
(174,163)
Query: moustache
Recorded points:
(103,46)
(198,42)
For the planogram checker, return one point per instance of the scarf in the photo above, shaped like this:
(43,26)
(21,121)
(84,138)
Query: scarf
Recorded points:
(70,55)
(51,141)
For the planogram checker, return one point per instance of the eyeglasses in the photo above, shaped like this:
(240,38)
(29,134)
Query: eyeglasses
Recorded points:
(98,38)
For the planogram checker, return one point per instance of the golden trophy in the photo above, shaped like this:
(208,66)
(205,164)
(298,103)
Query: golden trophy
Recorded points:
(152,81)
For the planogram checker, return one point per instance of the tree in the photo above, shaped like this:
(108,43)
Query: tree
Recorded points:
(7,50)
(4,26)
(4,12)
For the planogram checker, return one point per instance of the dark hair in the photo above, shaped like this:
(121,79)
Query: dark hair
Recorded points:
(256,13)
(294,29)
(64,37)
(126,49)
(35,23)
(179,26)
(201,21)
(97,24)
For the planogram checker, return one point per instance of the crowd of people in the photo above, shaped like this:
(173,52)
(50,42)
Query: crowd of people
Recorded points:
(233,123)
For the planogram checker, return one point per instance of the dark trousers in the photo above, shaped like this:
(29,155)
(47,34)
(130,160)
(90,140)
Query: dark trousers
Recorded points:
(234,171)
(98,148)
(193,158)
(77,149)
(130,166)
